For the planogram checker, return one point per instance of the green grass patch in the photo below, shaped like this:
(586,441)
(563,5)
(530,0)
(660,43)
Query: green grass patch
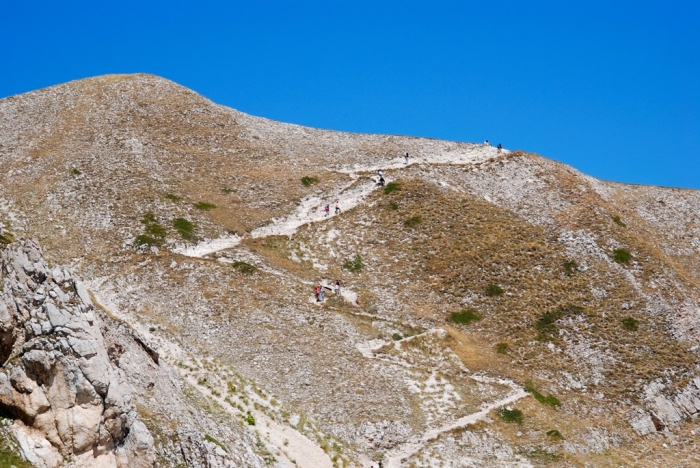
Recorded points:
(396,337)
(308,181)
(570,267)
(250,420)
(413,222)
(354,264)
(510,415)
(211,439)
(75,171)
(245,268)
(465,317)
(542,456)
(501,348)
(630,324)
(391,187)
(173,197)
(185,228)
(622,256)
(549,400)
(204,206)
(9,458)
(494,290)
(554,434)
(154,233)
(616,219)
(546,324)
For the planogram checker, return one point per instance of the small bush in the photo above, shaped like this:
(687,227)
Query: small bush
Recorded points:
(549,400)
(250,420)
(308,181)
(204,206)
(570,267)
(353,265)
(616,219)
(413,222)
(554,434)
(173,197)
(630,324)
(391,187)
(154,234)
(501,348)
(622,255)
(393,206)
(185,228)
(465,316)
(245,268)
(396,336)
(493,290)
(510,415)
(75,171)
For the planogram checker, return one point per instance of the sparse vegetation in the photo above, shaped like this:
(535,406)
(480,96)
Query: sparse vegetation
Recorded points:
(622,255)
(211,439)
(509,415)
(413,221)
(154,233)
(391,187)
(570,267)
(354,264)
(396,336)
(173,197)
(494,290)
(548,400)
(546,326)
(228,190)
(309,181)
(465,317)
(75,171)
(502,348)
(204,206)
(630,324)
(554,434)
(6,238)
(250,419)
(245,268)
(185,228)
(393,206)
(542,456)
(616,219)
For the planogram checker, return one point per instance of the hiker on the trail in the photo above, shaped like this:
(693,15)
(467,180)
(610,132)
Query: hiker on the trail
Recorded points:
(336,287)
(327,210)
(486,143)
(406,157)
(317,293)
(321,294)
(499,147)
(381,181)
(337,207)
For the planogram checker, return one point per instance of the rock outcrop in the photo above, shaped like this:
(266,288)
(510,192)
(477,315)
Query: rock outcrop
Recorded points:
(71,405)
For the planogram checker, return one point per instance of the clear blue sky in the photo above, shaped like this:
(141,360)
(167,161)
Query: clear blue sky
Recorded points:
(610,87)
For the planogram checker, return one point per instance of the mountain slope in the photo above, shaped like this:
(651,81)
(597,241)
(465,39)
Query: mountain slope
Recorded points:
(203,228)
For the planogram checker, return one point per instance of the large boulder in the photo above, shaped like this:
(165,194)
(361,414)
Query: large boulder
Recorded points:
(56,378)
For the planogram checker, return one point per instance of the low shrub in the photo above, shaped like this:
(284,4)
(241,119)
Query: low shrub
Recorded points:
(554,434)
(185,228)
(75,171)
(630,324)
(616,219)
(413,222)
(396,336)
(494,290)
(250,420)
(173,197)
(391,187)
(502,348)
(549,400)
(542,456)
(570,267)
(154,233)
(204,206)
(6,238)
(353,265)
(308,181)
(510,415)
(393,206)
(465,316)
(622,255)
(245,268)
(546,326)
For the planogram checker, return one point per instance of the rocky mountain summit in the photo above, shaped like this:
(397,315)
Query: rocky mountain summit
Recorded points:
(496,308)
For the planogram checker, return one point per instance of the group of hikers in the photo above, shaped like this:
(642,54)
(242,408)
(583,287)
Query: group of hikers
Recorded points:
(327,209)
(320,291)
(499,147)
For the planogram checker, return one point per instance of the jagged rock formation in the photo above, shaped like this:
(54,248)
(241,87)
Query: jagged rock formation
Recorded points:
(56,377)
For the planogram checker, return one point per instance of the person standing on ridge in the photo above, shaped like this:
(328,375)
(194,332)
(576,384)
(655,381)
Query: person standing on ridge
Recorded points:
(337,207)
(337,287)
(327,209)
(317,292)
(486,143)
(406,156)
(499,147)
